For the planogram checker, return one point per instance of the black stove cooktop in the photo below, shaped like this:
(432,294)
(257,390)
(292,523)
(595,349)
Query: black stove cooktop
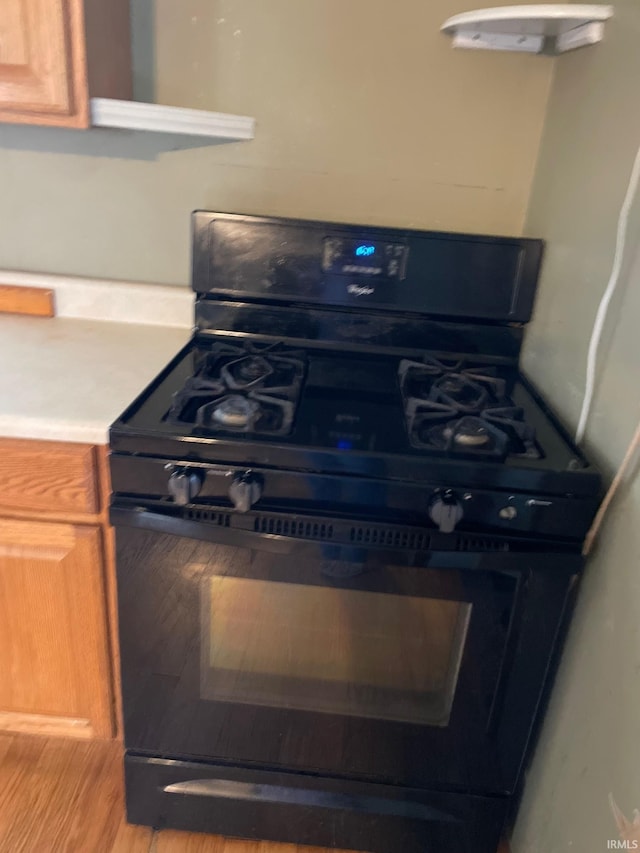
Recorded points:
(345,411)
(452,407)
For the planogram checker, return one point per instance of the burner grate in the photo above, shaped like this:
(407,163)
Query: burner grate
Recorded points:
(453,409)
(242,388)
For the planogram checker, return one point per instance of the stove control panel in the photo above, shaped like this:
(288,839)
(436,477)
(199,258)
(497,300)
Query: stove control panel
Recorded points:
(448,508)
(349,256)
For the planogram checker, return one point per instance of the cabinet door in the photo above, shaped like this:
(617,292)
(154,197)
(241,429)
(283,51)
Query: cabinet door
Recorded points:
(42,61)
(54,665)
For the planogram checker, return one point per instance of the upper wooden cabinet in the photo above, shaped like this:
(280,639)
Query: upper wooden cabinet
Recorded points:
(68,63)
(55,55)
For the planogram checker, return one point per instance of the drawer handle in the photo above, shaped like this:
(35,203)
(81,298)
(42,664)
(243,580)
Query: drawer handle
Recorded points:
(305,797)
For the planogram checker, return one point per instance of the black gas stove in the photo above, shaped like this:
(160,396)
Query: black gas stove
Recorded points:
(344,518)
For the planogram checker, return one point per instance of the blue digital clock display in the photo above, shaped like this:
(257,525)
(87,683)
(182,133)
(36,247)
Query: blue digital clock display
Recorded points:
(365,250)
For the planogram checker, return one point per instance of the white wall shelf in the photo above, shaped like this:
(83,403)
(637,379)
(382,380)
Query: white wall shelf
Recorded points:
(133,115)
(548,28)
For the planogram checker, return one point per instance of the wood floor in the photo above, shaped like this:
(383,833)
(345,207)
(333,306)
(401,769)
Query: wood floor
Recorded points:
(60,795)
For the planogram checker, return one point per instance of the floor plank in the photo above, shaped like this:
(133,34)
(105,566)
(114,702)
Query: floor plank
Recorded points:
(132,839)
(171,841)
(63,795)
(19,795)
(80,778)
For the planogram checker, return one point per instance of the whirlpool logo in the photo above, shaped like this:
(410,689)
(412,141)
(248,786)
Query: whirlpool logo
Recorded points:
(360,290)
(629,829)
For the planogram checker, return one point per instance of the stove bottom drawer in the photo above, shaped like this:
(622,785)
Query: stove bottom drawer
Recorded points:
(285,807)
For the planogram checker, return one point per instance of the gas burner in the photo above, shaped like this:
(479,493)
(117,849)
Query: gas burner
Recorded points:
(458,390)
(246,372)
(466,437)
(468,432)
(254,413)
(242,388)
(234,411)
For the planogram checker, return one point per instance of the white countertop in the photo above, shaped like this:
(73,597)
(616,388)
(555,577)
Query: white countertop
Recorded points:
(69,379)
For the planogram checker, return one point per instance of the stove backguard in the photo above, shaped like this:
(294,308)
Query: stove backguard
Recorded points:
(427,273)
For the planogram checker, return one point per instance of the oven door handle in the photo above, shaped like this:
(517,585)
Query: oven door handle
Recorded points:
(205,532)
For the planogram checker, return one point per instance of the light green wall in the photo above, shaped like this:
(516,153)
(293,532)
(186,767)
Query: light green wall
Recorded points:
(364,112)
(590,744)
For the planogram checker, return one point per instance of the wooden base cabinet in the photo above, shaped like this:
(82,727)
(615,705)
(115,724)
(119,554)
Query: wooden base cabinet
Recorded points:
(53,634)
(56,585)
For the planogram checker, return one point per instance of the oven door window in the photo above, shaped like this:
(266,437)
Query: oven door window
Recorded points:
(359,653)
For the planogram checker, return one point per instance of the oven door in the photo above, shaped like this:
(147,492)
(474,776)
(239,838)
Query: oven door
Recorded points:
(380,663)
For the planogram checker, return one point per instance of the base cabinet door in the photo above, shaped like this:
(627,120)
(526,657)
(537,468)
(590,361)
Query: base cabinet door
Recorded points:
(54,664)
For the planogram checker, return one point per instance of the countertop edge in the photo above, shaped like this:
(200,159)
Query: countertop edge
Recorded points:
(35,429)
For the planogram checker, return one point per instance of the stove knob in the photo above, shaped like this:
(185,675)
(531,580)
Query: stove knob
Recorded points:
(184,485)
(445,510)
(245,490)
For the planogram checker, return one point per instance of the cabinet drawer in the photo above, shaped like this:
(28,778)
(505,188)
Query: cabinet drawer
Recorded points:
(48,476)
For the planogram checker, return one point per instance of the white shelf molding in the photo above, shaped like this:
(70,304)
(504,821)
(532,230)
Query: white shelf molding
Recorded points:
(548,28)
(133,115)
